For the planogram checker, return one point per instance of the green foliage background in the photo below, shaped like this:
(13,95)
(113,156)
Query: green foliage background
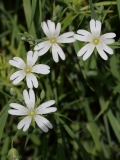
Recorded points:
(87,93)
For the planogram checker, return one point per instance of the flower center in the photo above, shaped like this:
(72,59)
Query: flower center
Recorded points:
(28,69)
(53,40)
(96,41)
(32,113)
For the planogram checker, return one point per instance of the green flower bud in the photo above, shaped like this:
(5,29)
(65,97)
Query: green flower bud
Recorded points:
(26,34)
(12,92)
(42,94)
(20,97)
(30,42)
(13,154)
(23,38)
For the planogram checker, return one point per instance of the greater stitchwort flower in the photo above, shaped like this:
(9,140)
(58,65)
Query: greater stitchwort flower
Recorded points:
(28,69)
(53,40)
(31,113)
(95,40)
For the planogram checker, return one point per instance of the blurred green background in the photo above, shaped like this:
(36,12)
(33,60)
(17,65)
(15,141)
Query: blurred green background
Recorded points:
(87,93)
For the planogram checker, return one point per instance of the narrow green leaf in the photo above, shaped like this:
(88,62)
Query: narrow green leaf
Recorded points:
(40,11)
(118,6)
(34,4)
(93,13)
(60,146)
(3,119)
(114,123)
(28,10)
(86,156)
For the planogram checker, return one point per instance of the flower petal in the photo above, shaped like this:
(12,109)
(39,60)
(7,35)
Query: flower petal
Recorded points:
(108,35)
(92,26)
(18,109)
(26,97)
(89,52)
(31,81)
(46,29)
(51,26)
(83,35)
(108,41)
(17,62)
(101,52)
(24,123)
(41,69)
(58,28)
(97,28)
(55,54)
(16,112)
(83,50)
(29,98)
(47,110)
(86,38)
(43,123)
(66,38)
(18,76)
(57,48)
(44,105)
(107,48)
(41,45)
(45,49)
(32,58)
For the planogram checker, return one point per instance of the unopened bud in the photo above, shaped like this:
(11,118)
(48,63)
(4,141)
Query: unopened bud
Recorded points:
(23,38)
(42,94)
(13,154)
(31,42)
(12,92)
(20,97)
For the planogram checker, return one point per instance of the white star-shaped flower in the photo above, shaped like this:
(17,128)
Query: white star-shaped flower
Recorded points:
(28,69)
(53,40)
(31,113)
(95,40)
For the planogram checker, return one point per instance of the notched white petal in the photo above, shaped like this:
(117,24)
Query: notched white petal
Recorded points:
(56,50)
(98,28)
(19,107)
(24,123)
(41,69)
(17,76)
(58,28)
(83,38)
(47,110)
(101,52)
(92,26)
(83,50)
(107,49)
(31,81)
(43,123)
(17,62)
(89,52)
(46,29)
(108,35)
(41,45)
(66,38)
(55,55)
(45,105)
(32,57)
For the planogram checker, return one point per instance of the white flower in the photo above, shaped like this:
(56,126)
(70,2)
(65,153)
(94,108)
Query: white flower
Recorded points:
(28,69)
(95,40)
(53,40)
(32,113)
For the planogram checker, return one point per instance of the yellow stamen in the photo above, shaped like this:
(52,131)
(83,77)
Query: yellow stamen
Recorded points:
(53,40)
(96,41)
(28,69)
(32,113)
